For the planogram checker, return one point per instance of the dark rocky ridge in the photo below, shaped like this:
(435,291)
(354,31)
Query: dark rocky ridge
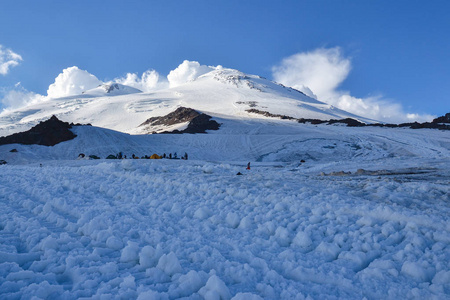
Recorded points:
(350,122)
(198,122)
(438,123)
(443,119)
(180,115)
(46,133)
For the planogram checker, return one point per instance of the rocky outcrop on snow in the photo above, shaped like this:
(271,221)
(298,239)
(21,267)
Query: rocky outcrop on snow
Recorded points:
(349,121)
(198,122)
(47,133)
(438,123)
(180,115)
(443,119)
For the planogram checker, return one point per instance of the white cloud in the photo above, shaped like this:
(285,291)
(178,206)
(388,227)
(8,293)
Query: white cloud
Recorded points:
(72,81)
(19,97)
(149,81)
(321,71)
(8,59)
(187,71)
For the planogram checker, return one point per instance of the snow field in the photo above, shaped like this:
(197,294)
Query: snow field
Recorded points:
(173,229)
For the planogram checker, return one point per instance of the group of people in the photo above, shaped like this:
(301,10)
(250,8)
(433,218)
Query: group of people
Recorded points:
(120,155)
(156,156)
(175,156)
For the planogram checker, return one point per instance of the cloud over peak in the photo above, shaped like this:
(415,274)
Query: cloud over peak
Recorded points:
(149,81)
(8,59)
(320,72)
(72,81)
(187,71)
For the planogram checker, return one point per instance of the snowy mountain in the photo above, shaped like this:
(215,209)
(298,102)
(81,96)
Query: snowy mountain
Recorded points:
(325,211)
(224,93)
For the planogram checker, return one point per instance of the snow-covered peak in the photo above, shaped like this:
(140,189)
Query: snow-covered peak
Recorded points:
(255,82)
(235,77)
(218,92)
(112,89)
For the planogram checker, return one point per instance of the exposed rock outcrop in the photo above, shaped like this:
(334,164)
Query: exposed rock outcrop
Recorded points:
(180,115)
(198,122)
(47,133)
(350,122)
(438,123)
(443,119)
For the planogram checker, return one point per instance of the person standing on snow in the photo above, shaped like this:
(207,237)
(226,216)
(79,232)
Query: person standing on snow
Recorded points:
(248,166)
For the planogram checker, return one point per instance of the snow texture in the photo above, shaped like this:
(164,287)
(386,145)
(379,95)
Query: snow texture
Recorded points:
(169,229)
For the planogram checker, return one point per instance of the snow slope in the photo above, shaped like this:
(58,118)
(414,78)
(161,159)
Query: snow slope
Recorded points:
(220,93)
(170,229)
(254,140)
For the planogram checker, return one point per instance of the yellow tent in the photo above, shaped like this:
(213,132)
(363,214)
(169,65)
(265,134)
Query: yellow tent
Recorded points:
(155,156)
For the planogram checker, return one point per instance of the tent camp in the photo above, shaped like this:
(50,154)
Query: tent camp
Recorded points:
(155,156)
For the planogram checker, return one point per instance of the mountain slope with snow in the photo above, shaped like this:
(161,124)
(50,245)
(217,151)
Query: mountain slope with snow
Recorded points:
(168,229)
(222,93)
(269,140)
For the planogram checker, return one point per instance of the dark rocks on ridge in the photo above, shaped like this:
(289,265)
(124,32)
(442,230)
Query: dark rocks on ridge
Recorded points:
(46,133)
(198,122)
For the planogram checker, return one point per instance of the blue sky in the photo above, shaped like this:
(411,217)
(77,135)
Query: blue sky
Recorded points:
(382,54)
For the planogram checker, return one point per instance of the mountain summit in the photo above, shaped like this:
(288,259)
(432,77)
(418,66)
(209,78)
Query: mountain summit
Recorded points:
(112,89)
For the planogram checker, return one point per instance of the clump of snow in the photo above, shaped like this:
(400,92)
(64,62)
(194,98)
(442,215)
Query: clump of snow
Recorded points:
(189,284)
(246,296)
(130,253)
(233,219)
(302,239)
(128,283)
(169,264)
(114,243)
(148,257)
(215,288)
(418,271)
(202,213)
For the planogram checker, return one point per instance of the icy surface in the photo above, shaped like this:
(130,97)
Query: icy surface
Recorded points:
(365,216)
(171,229)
